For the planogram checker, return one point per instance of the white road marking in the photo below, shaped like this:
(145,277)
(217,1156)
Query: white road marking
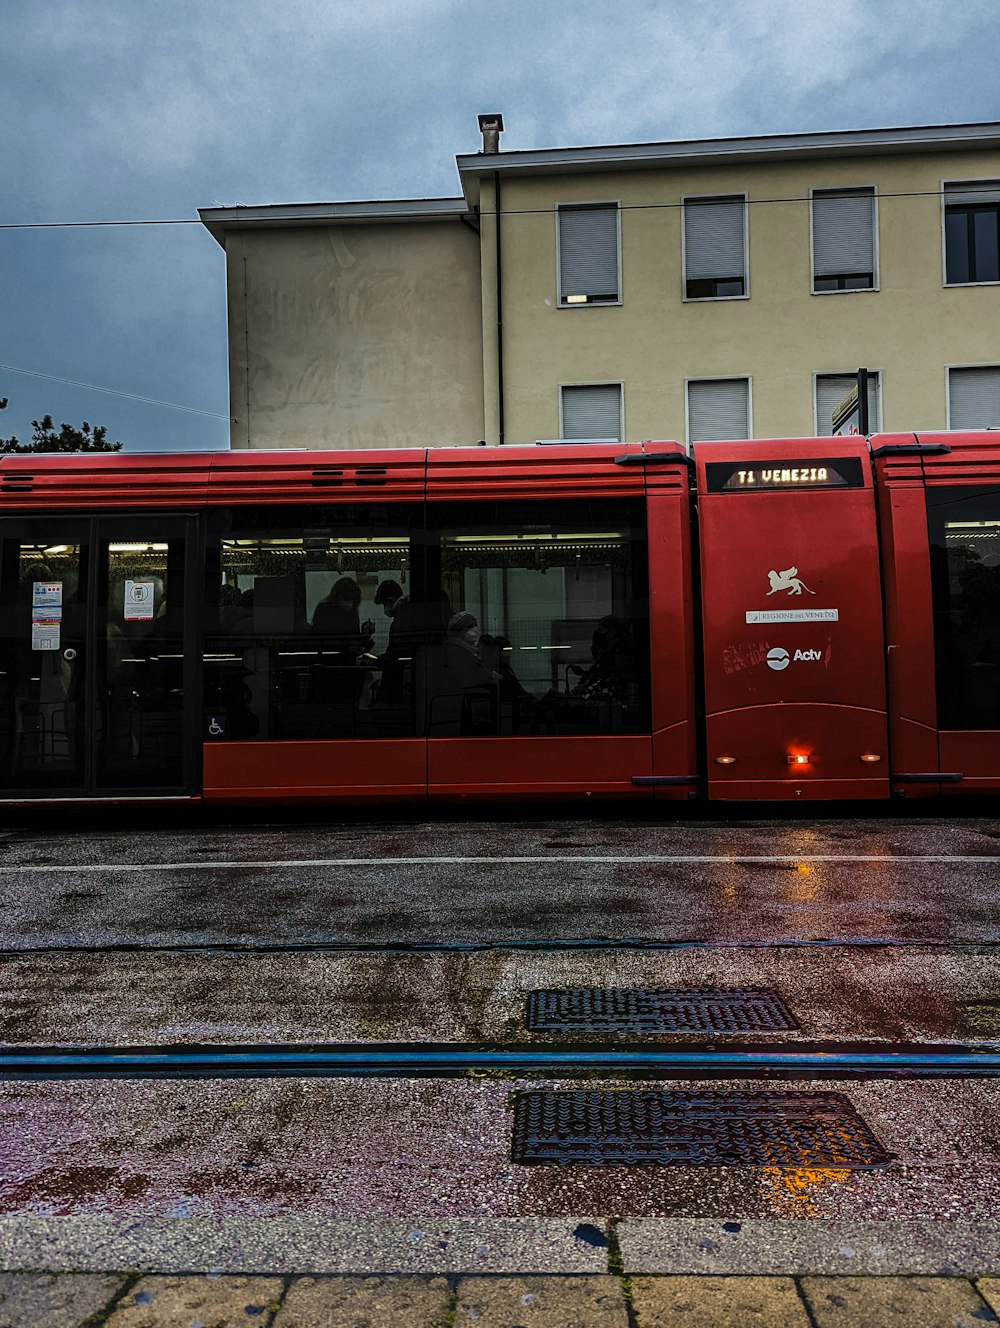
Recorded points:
(725,859)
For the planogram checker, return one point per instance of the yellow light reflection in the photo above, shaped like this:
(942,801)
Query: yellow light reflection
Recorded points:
(794,1189)
(804,886)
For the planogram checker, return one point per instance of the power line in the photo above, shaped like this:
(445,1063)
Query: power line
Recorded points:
(113,392)
(83,225)
(511,212)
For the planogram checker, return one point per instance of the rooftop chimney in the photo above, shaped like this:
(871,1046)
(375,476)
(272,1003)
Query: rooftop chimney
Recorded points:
(491,127)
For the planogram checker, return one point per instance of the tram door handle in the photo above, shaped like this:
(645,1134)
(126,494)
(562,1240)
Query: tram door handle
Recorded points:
(69,654)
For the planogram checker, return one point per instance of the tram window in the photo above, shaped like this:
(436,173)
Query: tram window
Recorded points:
(307,615)
(548,630)
(139,725)
(41,661)
(964,528)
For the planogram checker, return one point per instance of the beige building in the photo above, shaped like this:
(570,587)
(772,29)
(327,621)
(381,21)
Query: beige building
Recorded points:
(721,288)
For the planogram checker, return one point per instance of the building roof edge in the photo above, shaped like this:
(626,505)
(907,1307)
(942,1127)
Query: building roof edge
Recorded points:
(220,220)
(912,138)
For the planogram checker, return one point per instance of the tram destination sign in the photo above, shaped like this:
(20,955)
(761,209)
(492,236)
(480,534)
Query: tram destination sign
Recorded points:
(747,476)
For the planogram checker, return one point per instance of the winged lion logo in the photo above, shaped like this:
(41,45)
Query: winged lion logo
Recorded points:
(788,580)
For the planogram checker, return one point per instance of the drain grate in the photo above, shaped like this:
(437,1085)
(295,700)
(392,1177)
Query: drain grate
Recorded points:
(657,1010)
(773,1129)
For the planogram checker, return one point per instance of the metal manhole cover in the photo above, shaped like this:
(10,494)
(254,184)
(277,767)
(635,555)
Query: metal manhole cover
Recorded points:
(657,1010)
(694,1129)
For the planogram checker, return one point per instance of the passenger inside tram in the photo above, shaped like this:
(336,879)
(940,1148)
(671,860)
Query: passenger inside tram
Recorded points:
(395,663)
(461,689)
(539,615)
(342,640)
(495,652)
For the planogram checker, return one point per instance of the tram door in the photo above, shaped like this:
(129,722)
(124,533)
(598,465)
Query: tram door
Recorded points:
(93,657)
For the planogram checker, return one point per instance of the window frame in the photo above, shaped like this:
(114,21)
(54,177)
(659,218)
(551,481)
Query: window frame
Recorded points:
(718,378)
(703,198)
(876,426)
(844,189)
(993,364)
(957,285)
(946,629)
(581,206)
(601,382)
(450,516)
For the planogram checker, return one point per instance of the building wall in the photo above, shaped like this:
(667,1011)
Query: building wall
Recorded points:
(355,336)
(909,329)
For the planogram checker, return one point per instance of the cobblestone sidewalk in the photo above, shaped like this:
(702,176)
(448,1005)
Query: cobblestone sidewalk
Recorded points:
(110,1300)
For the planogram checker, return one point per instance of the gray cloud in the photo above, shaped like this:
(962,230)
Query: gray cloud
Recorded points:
(109,108)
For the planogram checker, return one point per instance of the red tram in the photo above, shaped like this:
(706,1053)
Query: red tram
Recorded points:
(792,619)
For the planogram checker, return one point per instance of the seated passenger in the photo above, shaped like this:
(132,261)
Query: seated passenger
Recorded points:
(494,651)
(611,677)
(461,655)
(459,690)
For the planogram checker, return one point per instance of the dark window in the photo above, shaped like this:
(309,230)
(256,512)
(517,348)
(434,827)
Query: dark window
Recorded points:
(964,528)
(549,622)
(971,236)
(845,281)
(42,693)
(708,288)
(487,619)
(311,623)
(140,669)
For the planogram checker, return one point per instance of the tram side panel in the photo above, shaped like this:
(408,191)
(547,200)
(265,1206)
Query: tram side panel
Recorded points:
(555,555)
(297,547)
(909,625)
(672,633)
(940,508)
(792,621)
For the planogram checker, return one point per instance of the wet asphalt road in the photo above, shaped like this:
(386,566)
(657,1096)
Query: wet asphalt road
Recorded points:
(875,933)
(465,885)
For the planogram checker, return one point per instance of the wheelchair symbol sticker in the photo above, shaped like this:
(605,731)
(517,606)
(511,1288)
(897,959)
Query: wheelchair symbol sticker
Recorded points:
(217,726)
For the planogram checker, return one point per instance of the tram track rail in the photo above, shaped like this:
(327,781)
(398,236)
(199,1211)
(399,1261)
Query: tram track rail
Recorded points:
(524,945)
(520,1061)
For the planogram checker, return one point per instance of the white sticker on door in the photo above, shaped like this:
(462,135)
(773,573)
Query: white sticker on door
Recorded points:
(139,601)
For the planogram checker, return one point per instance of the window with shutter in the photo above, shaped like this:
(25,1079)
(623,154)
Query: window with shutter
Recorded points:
(592,410)
(972,232)
(830,392)
(718,408)
(843,224)
(715,248)
(588,253)
(974,397)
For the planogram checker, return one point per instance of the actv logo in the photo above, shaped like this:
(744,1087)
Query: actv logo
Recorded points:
(778,658)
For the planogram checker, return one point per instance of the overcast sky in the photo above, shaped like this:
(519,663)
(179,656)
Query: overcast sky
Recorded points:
(130,109)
